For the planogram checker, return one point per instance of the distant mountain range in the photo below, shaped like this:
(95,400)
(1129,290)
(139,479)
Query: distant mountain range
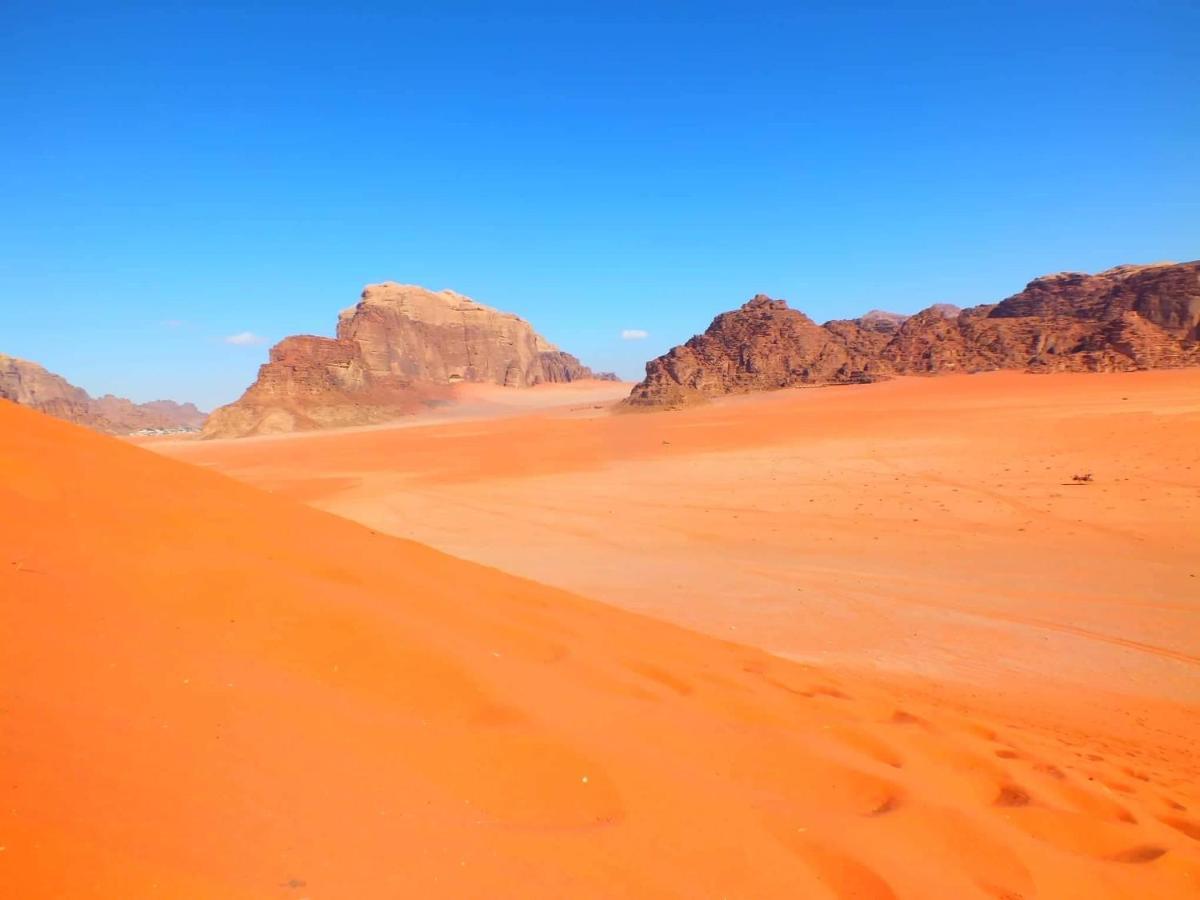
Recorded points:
(401,348)
(32,385)
(1129,317)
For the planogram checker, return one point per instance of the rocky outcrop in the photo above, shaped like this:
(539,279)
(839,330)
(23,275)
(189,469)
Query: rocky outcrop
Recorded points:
(399,350)
(31,385)
(761,346)
(314,382)
(881,321)
(1130,317)
(444,337)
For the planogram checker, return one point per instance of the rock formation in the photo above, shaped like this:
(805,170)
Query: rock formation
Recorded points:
(761,346)
(397,351)
(31,385)
(1130,317)
(881,321)
(127,417)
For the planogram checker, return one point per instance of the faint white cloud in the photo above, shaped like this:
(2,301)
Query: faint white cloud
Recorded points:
(634,334)
(173,323)
(245,339)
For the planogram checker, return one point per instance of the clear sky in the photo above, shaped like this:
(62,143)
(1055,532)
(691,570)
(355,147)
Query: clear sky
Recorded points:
(173,174)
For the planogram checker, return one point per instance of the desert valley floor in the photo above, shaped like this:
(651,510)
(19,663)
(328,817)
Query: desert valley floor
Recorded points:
(918,527)
(918,658)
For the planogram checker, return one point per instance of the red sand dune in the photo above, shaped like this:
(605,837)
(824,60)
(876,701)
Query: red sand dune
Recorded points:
(210,691)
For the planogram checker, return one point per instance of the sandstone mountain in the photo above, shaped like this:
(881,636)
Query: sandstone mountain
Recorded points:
(1129,317)
(31,385)
(397,351)
(762,345)
(881,321)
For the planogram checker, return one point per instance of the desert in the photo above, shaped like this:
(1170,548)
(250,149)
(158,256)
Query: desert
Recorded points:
(408,626)
(918,528)
(283,702)
(922,636)
(707,451)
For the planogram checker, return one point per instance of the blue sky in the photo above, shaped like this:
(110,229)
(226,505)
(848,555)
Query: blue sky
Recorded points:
(173,174)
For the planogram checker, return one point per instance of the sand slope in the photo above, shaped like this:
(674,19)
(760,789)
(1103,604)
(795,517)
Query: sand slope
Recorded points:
(208,691)
(923,527)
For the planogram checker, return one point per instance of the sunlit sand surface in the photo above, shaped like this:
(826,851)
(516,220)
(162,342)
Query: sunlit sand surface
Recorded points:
(214,691)
(929,527)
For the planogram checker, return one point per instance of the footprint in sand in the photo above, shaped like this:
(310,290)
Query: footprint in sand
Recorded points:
(1084,834)
(663,677)
(844,875)
(1141,854)
(1050,770)
(1012,795)
(1185,826)
(901,717)
(868,745)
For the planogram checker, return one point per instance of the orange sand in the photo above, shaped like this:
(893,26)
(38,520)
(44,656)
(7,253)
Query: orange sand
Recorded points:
(209,691)
(919,527)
